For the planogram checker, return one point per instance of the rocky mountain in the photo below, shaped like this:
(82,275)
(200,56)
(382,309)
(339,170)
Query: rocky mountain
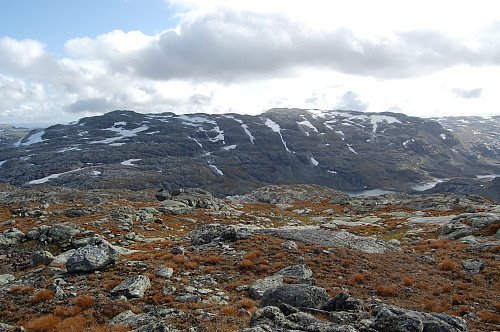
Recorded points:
(233,154)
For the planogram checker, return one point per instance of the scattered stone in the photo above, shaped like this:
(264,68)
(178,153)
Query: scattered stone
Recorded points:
(164,272)
(133,287)
(473,266)
(62,232)
(217,232)
(290,245)
(188,297)
(6,278)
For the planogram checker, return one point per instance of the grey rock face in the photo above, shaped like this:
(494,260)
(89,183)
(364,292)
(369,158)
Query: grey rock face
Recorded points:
(455,229)
(184,201)
(297,295)
(480,220)
(260,286)
(164,272)
(128,318)
(92,257)
(133,287)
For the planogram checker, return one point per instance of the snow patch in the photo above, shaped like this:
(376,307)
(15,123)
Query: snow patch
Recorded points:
(194,139)
(192,120)
(351,148)
(70,148)
(276,128)
(307,124)
(2,162)
(122,133)
(249,134)
(314,161)
(332,172)
(443,136)
(129,162)
(53,176)
(95,173)
(32,139)
(230,147)
(217,171)
(219,137)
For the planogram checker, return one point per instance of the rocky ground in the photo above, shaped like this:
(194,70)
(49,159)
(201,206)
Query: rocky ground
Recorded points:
(283,258)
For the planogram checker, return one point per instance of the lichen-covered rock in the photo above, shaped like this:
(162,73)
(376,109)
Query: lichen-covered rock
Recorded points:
(295,272)
(212,232)
(133,287)
(260,286)
(12,236)
(6,278)
(41,257)
(62,232)
(473,266)
(92,257)
(297,295)
(175,207)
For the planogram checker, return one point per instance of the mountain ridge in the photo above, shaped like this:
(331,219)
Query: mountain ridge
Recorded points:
(233,154)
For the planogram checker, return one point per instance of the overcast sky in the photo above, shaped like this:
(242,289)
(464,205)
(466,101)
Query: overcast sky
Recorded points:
(61,60)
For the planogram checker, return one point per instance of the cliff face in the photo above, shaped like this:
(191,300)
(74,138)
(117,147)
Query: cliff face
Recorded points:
(232,154)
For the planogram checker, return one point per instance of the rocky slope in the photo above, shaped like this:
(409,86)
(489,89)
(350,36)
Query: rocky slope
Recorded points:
(233,154)
(313,260)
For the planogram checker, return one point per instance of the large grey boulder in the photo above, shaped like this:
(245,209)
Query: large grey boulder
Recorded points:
(296,295)
(12,236)
(133,287)
(479,220)
(455,229)
(271,318)
(62,232)
(390,318)
(260,286)
(217,232)
(92,257)
(188,200)
(174,207)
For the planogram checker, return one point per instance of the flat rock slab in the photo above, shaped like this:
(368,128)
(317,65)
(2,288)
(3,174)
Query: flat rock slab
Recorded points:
(430,220)
(314,234)
(134,287)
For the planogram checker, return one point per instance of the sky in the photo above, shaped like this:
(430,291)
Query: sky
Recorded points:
(61,60)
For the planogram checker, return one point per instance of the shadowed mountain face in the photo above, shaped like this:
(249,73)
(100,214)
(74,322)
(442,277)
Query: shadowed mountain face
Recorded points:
(232,154)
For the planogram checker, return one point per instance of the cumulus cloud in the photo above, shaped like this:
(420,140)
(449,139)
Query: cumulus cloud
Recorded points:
(351,101)
(184,70)
(468,94)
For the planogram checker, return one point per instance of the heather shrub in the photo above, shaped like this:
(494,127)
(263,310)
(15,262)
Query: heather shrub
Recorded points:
(42,324)
(42,296)
(386,291)
(84,301)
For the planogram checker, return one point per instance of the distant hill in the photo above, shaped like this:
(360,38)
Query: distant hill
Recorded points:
(234,154)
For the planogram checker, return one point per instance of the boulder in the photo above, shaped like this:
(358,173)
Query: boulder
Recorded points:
(455,229)
(62,232)
(479,220)
(260,286)
(473,266)
(343,302)
(391,318)
(41,257)
(92,257)
(12,236)
(192,198)
(174,207)
(133,287)
(297,295)
(128,318)
(216,232)
(295,272)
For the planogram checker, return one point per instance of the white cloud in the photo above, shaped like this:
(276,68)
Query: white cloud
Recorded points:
(255,55)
